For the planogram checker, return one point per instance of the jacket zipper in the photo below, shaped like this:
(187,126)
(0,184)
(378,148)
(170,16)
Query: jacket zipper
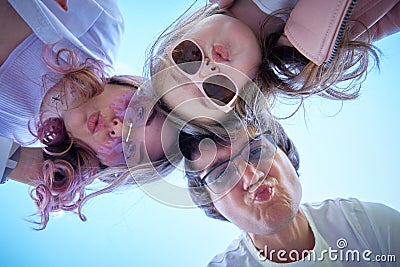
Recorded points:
(341,32)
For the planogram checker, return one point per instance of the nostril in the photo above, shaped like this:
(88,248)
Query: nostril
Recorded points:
(214,68)
(115,128)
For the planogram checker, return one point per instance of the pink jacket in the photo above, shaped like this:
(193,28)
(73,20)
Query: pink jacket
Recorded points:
(315,26)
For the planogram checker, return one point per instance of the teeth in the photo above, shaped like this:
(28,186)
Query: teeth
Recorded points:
(271,181)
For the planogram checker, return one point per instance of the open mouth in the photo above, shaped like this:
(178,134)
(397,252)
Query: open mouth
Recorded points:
(263,193)
(220,53)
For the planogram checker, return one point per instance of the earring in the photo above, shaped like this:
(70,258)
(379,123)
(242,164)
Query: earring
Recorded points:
(129,132)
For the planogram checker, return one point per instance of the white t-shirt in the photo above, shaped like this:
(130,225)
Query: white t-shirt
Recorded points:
(95,27)
(347,233)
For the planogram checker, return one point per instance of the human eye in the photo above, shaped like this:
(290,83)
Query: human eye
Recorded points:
(259,151)
(255,152)
(256,149)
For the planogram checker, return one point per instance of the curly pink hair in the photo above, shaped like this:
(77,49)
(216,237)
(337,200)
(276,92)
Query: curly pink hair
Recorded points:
(69,164)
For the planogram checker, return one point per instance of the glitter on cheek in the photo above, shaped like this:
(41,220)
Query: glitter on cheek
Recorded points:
(133,109)
(120,103)
(111,153)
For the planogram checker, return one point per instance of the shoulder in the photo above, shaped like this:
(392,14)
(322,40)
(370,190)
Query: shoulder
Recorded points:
(236,254)
(372,224)
(351,206)
(350,209)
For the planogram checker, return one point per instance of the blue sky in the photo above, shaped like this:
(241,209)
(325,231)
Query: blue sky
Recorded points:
(350,154)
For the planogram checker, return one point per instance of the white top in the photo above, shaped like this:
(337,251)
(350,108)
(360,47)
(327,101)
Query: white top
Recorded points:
(343,229)
(95,27)
(268,6)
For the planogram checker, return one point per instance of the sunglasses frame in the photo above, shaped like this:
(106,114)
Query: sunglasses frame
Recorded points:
(196,79)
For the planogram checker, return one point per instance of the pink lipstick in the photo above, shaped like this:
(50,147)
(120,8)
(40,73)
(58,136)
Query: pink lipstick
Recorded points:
(95,122)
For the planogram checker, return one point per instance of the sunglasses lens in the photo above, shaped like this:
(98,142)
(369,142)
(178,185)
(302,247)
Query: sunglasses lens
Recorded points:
(187,55)
(220,89)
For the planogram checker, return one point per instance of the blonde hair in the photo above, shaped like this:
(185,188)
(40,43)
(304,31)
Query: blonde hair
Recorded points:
(284,71)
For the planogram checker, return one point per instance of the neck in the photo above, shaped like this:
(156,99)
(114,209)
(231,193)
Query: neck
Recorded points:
(249,13)
(297,236)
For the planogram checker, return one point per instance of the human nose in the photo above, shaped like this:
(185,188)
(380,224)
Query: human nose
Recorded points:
(208,68)
(251,176)
(115,128)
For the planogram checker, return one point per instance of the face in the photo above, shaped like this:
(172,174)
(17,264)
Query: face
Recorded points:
(265,199)
(99,122)
(230,48)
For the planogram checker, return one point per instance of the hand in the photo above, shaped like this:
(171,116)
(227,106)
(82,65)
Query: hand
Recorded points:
(223,3)
(63,4)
